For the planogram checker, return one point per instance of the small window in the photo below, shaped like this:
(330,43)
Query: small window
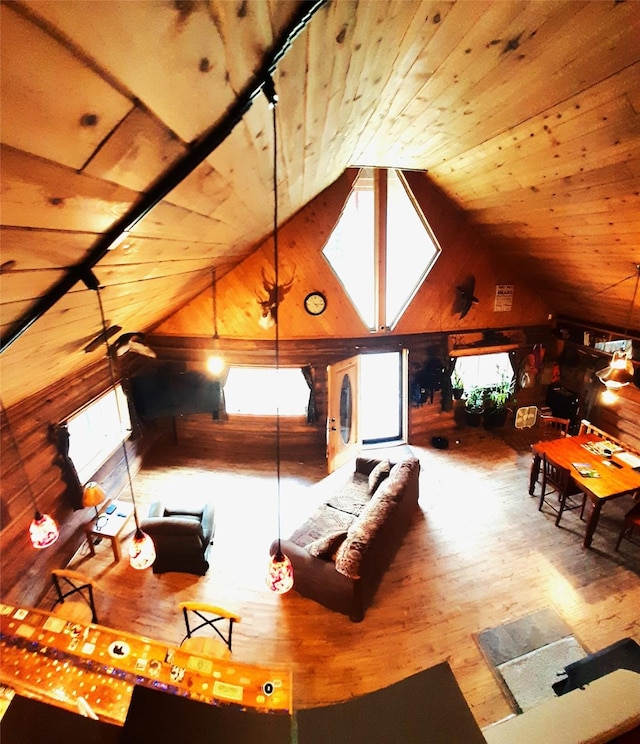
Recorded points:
(266,391)
(97,431)
(484,370)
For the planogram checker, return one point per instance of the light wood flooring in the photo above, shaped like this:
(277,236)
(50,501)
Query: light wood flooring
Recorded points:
(478,554)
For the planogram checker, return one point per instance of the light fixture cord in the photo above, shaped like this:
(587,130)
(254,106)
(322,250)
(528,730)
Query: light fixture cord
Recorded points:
(112,375)
(214,303)
(273,103)
(19,456)
(633,301)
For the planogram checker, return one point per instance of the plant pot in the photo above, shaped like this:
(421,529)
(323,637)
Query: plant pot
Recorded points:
(472,417)
(457,393)
(495,418)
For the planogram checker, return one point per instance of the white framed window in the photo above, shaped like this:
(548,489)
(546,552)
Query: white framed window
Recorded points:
(484,370)
(266,391)
(97,431)
(358,255)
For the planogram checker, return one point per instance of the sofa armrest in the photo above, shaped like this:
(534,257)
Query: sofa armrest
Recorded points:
(318,579)
(365,465)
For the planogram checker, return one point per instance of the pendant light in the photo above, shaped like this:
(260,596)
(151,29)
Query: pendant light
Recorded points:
(142,551)
(279,571)
(43,530)
(619,372)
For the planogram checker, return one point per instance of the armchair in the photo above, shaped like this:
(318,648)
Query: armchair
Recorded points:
(182,535)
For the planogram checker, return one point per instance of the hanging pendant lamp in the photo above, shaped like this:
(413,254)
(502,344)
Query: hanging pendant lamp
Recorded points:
(142,551)
(43,530)
(619,372)
(279,570)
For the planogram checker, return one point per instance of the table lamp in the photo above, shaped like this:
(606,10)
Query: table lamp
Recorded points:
(93,495)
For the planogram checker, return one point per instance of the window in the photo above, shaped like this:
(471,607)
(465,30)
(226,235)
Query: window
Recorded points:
(483,370)
(266,391)
(97,431)
(350,248)
(380,289)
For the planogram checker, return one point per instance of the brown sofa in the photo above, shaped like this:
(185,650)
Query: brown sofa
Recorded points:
(341,552)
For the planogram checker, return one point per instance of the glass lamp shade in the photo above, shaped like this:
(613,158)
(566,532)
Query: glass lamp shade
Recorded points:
(279,573)
(619,372)
(215,365)
(142,551)
(43,531)
(93,494)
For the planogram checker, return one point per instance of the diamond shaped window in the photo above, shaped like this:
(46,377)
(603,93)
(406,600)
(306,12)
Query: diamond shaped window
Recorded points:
(405,252)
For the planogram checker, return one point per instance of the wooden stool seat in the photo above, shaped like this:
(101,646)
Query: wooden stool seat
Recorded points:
(206,646)
(74,596)
(199,616)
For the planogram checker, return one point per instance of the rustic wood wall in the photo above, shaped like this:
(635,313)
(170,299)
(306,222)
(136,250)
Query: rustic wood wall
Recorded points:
(300,249)
(25,571)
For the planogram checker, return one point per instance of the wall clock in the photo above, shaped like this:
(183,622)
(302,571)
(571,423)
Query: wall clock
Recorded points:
(315,303)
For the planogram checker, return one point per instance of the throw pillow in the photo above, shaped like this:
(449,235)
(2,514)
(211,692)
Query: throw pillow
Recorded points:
(326,546)
(378,474)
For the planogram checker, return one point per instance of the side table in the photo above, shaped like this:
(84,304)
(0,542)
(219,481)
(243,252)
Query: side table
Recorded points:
(109,526)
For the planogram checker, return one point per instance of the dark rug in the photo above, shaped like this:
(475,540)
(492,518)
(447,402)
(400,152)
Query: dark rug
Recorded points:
(426,707)
(529,655)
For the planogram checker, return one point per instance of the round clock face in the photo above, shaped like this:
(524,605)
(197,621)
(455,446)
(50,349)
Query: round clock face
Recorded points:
(315,303)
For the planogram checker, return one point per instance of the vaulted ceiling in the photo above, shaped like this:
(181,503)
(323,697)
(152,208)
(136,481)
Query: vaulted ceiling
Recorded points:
(147,118)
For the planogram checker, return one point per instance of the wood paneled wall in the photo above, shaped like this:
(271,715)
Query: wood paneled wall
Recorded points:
(301,241)
(25,571)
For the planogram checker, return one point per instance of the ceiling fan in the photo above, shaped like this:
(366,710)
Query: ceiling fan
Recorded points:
(133,342)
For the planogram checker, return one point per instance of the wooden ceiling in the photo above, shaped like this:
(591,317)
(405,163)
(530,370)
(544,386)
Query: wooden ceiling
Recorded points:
(526,114)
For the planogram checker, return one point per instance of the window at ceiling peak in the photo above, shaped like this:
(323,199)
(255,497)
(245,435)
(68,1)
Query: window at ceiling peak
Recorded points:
(381,269)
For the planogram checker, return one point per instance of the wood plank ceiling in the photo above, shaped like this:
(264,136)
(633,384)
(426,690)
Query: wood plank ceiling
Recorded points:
(527,114)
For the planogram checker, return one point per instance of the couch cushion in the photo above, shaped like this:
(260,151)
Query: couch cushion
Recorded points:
(362,532)
(324,521)
(352,496)
(378,474)
(325,547)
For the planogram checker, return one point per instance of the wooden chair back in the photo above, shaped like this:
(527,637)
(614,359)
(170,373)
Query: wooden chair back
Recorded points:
(586,427)
(552,427)
(630,523)
(555,476)
(75,600)
(199,616)
(559,480)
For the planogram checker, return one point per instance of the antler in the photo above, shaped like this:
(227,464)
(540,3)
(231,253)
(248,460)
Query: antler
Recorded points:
(275,295)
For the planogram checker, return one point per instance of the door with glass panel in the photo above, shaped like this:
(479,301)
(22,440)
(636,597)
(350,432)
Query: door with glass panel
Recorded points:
(343,441)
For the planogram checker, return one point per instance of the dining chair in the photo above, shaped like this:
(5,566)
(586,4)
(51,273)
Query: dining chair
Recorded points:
(553,427)
(586,427)
(74,596)
(199,616)
(630,522)
(557,481)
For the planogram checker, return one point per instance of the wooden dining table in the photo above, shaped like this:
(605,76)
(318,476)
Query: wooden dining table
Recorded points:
(615,477)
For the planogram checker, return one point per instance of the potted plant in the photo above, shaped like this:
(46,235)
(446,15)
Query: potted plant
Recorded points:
(457,386)
(474,405)
(498,396)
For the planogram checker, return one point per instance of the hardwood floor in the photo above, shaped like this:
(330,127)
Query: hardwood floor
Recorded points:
(478,554)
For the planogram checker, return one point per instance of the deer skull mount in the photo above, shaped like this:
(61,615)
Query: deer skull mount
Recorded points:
(269,305)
